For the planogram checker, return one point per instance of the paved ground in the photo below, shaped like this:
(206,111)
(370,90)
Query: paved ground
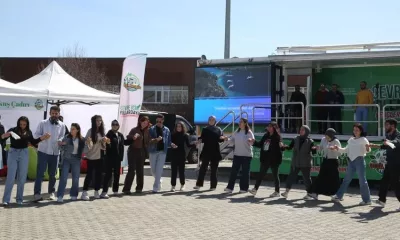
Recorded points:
(199,215)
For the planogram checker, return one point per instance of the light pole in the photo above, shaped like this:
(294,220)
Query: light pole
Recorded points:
(227,29)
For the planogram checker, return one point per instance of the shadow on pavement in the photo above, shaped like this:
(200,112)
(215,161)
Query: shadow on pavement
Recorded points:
(374,214)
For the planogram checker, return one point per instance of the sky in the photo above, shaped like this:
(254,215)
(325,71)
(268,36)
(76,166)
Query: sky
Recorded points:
(189,28)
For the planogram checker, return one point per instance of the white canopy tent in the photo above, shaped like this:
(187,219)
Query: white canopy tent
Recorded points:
(63,88)
(8,89)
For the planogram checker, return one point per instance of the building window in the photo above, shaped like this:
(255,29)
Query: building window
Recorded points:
(166,94)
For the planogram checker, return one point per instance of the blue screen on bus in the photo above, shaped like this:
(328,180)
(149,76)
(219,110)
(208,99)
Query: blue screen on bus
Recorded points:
(219,90)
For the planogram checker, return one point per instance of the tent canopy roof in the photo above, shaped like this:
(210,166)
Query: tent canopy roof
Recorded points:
(62,86)
(13,90)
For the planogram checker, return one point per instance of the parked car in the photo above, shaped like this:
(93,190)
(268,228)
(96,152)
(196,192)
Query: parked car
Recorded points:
(170,120)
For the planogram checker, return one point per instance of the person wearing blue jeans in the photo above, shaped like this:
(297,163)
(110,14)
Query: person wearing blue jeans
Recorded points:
(48,152)
(356,150)
(72,148)
(18,158)
(242,140)
(160,142)
(362,115)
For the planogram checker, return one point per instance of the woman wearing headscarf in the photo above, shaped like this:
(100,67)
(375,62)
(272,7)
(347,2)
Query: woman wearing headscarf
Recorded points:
(210,136)
(303,149)
(270,157)
(328,181)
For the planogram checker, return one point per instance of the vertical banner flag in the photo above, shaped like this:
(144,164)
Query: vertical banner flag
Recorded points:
(131,94)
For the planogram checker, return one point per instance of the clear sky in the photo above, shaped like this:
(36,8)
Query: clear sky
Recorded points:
(189,28)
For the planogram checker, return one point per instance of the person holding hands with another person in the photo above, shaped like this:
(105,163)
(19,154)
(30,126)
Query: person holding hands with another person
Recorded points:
(391,174)
(357,148)
(21,137)
(242,140)
(95,145)
(180,142)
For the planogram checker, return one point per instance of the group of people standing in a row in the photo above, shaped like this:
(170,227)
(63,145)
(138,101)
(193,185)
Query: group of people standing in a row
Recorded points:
(105,153)
(328,181)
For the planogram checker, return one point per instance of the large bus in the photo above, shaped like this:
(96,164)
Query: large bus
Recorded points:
(257,88)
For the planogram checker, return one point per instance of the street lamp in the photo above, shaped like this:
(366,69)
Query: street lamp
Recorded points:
(227,29)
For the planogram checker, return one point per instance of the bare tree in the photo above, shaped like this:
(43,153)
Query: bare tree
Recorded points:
(76,63)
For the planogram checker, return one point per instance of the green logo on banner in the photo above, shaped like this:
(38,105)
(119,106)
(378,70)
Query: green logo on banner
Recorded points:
(131,82)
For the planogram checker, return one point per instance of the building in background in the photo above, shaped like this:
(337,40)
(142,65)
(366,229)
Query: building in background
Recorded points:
(169,82)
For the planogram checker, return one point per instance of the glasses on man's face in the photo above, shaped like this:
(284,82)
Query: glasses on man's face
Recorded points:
(115,125)
(159,121)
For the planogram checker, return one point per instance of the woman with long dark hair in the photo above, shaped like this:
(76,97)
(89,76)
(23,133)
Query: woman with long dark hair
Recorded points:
(356,150)
(21,137)
(96,144)
(114,157)
(137,153)
(242,140)
(328,181)
(180,140)
(211,136)
(72,148)
(270,157)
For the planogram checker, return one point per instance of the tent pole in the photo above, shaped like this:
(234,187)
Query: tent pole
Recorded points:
(45,112)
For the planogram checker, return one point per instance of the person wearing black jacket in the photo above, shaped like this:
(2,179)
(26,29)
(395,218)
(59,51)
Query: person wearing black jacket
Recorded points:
(210,136)
(391,174)
(18,157)
(179,142)
(113,158)
(335,113)
(270,157)
(297,96)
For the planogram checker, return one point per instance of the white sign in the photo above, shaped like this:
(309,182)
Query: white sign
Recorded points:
(15,103)
(131,95)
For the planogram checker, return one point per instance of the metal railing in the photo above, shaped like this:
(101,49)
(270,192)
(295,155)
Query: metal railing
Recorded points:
(309,120)
(277,111)
(233,120)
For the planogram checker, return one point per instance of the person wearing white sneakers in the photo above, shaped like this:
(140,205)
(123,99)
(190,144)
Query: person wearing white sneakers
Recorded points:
(356,149)
(96,144)
(114,156)
(180,140)
(270,157)
(328,181)
(242,140)
(391,174)
(71,150)
(303,149)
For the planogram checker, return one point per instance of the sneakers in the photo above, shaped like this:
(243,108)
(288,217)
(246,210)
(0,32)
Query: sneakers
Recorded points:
(74,198)
(5,204)
(196,188)
(96,195)
(20,203)
(253,191)
(243,191)
(60,200)
(173,189)
(37,198)
(52,196)
(182,188)
(285,194)
(103,195)
(275,194)
(336,198)
(115,193)
(314,196)
(308,197)
(85,196)
(227,190)
(380,203)
(212,189)
(362,203)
